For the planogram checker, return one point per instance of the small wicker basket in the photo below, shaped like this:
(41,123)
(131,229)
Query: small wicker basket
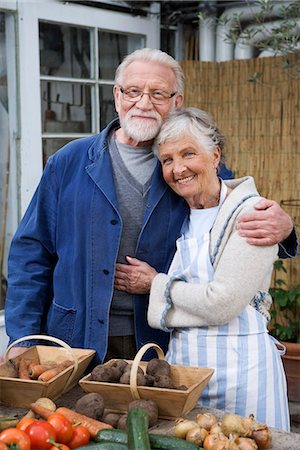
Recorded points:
(18,392)
(171,403)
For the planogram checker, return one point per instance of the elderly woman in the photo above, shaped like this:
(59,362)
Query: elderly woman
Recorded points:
(214,299)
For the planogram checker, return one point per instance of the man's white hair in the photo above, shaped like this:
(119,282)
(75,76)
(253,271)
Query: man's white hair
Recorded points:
(152,55)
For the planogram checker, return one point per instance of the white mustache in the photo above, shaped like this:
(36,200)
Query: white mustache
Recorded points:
(137,112)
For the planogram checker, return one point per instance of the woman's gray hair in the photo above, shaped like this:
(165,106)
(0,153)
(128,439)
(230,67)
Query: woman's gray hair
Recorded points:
(193,122)
(156,56)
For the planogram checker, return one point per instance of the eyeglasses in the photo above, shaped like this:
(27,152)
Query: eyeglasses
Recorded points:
(156,96)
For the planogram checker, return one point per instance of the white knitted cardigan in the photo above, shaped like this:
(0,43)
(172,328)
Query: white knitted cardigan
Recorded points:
(241,271)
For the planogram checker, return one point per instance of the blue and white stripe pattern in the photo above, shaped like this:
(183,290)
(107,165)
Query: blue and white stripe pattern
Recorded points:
(249,376)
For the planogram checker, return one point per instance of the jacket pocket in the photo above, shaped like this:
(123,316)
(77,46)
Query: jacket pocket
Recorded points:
(61,322)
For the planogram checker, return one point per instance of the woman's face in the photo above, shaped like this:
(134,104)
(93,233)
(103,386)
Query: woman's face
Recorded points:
(190,170)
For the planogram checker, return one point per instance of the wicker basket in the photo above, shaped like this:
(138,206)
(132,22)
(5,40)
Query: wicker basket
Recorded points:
(171,403)
(18,392)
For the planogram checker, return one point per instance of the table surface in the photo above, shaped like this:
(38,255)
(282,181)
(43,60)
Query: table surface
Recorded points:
(281,439)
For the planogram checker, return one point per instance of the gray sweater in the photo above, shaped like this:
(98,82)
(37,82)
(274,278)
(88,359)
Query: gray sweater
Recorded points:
(241,270)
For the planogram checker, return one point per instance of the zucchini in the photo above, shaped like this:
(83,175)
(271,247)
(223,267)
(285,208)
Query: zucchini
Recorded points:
(157,441)
(137,426)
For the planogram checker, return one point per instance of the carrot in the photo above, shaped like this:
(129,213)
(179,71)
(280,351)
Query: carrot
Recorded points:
(40,410)
(51,373)
(91,424)
(23,369)
(35,370)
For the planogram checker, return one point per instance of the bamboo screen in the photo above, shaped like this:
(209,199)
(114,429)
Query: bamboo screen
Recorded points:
(256,104)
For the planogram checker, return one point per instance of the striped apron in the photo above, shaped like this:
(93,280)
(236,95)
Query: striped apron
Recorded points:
(249,377)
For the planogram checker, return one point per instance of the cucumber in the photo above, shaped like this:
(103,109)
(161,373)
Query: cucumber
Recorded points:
(157,441)
(112,435)
(104,446)
(170,443)
(137,426)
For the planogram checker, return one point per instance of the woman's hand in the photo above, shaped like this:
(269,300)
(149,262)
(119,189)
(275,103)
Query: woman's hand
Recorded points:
(135,277)
(268,226)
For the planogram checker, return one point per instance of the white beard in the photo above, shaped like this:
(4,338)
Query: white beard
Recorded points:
(141,129)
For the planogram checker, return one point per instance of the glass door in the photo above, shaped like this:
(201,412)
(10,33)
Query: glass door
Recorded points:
(77,67)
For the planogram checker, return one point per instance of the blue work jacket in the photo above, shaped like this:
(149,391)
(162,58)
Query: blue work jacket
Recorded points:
(63,255)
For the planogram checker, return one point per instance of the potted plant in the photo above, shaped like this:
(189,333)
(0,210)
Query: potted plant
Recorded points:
(285,326)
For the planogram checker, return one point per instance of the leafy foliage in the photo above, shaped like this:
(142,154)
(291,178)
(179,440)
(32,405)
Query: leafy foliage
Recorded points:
(282,38)
(286,308)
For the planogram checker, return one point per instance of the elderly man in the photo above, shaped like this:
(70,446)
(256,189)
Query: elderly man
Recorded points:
(100,199)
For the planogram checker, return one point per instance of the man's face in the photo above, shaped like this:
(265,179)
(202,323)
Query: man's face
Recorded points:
(141,120)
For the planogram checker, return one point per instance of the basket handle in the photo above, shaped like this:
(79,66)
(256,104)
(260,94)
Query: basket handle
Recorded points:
(51,339)
(135,365)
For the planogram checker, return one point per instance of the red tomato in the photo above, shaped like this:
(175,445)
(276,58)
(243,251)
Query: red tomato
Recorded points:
(23,424)
(15,436)
(3,446)
(62,426)
(60,447)
(81,436)
(40,432)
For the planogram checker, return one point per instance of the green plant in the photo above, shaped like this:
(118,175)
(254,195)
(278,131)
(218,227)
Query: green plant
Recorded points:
(285,324)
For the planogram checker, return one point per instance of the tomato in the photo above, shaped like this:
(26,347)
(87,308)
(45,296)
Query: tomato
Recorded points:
(81,436)
(23,424)
(3,446)
(60,447)
(40,432)
(62,426)
(15,436)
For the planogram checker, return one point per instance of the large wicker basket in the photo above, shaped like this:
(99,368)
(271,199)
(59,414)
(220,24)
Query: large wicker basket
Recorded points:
(18,392)
(171,403)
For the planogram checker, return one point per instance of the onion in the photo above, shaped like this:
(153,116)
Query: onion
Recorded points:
(262,437)
(182,426)
(246,444)
(206,420)
(233,423)
(196,435)
(216,428)
(216,442)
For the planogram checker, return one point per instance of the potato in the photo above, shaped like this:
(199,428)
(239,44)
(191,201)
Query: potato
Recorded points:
(150,406)
(157,367)
(140,379)
(120,364)
(112,419)
(104,373)
(163,381)
(91,405)
(122,422)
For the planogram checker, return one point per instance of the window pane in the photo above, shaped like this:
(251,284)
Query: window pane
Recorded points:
(64,50)
(107,105)
(66,107)
(112,49)
(50,146)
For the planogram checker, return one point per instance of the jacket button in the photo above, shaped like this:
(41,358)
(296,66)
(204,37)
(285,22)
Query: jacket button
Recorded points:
(106,271)
(113,222)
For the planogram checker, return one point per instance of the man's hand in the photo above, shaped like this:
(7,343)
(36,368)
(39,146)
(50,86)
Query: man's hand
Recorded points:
(269,225)
(135,277)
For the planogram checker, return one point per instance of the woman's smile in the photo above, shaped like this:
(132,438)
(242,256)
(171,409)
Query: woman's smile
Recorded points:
(185,180)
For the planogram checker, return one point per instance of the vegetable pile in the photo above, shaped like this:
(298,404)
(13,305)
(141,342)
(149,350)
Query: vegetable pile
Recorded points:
(233,433)
(137,437)
(158,374)
(46,427)
(27,369)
